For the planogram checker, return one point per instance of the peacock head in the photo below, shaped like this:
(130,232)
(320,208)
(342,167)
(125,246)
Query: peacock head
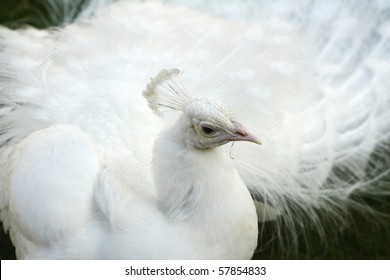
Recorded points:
(212,125)
(206,122)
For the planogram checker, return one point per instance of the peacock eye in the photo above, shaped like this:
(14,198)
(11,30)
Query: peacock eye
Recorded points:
(207,130)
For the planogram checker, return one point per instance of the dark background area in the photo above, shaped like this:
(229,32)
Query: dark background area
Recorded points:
(361,238)
(14,13)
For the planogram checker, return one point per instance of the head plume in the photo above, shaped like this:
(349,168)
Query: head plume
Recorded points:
(166,90)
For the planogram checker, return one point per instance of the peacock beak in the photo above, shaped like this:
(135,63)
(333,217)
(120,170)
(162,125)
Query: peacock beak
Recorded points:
(240,133)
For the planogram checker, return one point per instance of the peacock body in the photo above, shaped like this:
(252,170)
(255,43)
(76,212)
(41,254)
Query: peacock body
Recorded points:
(91,169)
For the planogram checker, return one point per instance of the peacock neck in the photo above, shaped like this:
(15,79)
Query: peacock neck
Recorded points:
(201,191)
(183,177)
(190,181)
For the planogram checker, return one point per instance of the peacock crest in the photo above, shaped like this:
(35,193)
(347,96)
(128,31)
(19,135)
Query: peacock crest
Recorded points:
(166,91)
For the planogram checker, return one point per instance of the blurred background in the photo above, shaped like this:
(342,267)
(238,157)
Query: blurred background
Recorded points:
(361,238)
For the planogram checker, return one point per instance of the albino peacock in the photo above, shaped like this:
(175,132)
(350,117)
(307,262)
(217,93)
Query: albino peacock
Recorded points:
(101,161)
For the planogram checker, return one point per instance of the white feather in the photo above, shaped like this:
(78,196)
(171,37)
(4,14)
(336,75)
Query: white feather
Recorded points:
(166,90)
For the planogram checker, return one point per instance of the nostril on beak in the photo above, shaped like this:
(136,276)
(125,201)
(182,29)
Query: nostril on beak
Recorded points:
(242,133)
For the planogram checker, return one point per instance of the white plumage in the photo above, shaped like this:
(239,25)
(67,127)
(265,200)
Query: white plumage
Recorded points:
(91,171)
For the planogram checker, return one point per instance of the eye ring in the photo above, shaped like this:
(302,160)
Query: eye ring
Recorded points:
(207,130)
